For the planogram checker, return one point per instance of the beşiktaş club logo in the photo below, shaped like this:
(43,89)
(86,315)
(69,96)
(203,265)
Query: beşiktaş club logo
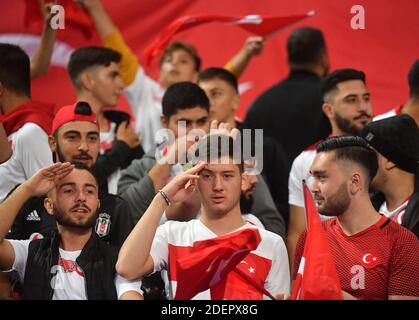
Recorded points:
(103,224)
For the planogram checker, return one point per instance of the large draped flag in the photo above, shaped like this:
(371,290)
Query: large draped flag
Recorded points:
(317,278)
(75,16)
(207,263)
(260,25)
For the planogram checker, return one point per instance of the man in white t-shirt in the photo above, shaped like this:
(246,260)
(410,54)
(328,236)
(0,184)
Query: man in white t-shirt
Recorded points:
(74,263)
(219,255)
(27,123)
(347,105)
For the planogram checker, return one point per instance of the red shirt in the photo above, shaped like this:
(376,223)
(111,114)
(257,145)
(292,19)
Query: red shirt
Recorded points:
(379,261)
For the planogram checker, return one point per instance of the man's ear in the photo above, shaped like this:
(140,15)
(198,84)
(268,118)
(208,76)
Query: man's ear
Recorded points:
(49,206)
(388,165)
(328,110)
(52,143)
(86,80)
(356,183)
(163,121)
(235,102)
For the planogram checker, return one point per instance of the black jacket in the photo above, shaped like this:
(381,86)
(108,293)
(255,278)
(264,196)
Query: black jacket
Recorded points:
(113,224)
(411,215)
(291,112)
(97,260)
(275,171)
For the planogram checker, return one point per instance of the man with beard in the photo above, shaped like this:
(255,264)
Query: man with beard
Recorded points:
(75,138)
(375,257)
(347,105)
(73,264)
(219,255)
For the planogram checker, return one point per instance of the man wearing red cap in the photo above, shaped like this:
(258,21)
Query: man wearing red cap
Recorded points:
(75,138)
(27,123)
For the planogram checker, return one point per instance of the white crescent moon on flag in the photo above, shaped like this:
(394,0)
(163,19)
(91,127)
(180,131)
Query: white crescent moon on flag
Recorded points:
(364,258)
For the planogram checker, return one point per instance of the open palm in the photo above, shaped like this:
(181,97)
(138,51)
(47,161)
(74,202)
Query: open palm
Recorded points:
(45,179)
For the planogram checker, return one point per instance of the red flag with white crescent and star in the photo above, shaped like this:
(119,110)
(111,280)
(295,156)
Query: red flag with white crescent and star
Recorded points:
(317,278)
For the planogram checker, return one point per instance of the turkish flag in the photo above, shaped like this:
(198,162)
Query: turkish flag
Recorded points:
(75,16)
(207,263)
(317,278)
(257,24)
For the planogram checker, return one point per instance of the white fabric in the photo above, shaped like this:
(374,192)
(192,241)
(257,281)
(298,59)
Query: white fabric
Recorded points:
(388,114)
(396,214)
(300,171)
(31,152)
(186,233)
(66,285)
(144,96)
(106,141)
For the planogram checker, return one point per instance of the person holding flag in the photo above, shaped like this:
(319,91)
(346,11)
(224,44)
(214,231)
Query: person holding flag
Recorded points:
(375,257)
(179,62)
(219,255)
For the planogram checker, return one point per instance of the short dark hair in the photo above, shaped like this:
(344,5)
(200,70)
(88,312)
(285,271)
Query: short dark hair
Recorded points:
(82,166)
(219,73)
(330,82)
(413,79)
(354,149)
(15,70)
(216,146)
(87,57)
(178,45)
(305,46)
(183,95)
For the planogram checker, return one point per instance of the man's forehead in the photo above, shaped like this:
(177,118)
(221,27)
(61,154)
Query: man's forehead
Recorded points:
(78,177)
(79,126)
(351,87)
(323,161)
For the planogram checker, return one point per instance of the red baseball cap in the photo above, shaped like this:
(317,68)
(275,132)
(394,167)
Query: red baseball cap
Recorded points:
(68,113)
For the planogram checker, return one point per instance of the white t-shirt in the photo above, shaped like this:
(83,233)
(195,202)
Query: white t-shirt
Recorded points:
(106,141)
(68,283)
(397,214)
(31,152)
(144,96)
(300,171)
(264,264)
(393,112)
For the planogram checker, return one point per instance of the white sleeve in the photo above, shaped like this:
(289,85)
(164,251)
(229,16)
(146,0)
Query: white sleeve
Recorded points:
(136,91)
(21,248)
(160,248)
(278,280)
(34,150)
(123,285)
(295,187)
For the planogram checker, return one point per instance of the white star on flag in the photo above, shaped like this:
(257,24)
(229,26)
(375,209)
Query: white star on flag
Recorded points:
(251,270)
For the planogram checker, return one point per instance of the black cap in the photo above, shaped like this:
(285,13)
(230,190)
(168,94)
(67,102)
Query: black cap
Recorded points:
(397,139)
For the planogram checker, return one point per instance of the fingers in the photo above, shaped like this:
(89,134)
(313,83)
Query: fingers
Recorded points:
(196,169)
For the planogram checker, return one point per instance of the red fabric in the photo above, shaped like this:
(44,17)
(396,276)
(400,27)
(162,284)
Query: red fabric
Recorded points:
(317,278)
(376,262)
(208,263)
(75,16)
(141,22)
(67,114)
(260,25)
(36,112)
